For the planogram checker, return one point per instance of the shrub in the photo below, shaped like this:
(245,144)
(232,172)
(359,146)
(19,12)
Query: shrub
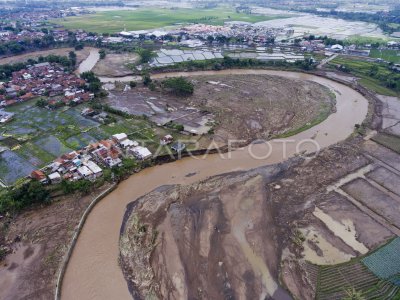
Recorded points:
(179,86)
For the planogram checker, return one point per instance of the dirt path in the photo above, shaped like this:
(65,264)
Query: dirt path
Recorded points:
(93,271)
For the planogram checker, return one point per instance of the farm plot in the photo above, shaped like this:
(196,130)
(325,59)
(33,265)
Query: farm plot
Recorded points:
(13,167)
(385,262)
(52,145)
(335,282)
(388,55)
(376,200)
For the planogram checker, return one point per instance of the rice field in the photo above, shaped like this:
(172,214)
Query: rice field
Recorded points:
(388,55)
(36,136)
(375,276)
(361,68)
(150,18)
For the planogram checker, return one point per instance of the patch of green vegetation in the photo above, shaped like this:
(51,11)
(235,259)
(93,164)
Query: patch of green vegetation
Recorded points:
(35,154)
(148,18)
(324,113)
(388,55)
(362,40)
(374,76)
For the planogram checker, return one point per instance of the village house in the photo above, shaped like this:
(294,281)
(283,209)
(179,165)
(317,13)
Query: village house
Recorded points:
(55,178)
(141,153)
(39,176)
(178,147)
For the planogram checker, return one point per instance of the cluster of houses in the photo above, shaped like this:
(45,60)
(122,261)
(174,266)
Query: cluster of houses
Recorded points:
(43,79)
(8,36)
(88,163)
(246,32)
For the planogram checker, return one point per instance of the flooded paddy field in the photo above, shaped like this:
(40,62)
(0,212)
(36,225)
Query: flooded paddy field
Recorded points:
(36,136)
(335,28)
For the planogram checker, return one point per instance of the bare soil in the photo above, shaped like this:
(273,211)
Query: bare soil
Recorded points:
(239,235)
(38,240)
(115,65)
(243,107)
(80,55)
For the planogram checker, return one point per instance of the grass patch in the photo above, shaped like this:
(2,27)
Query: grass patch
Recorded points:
(324,113)
(362,40)
(361,68)
(388,55)
(148,18)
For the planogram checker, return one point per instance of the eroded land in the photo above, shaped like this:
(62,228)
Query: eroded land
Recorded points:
(39,239)
(267,231)
(245,107)
(116,64)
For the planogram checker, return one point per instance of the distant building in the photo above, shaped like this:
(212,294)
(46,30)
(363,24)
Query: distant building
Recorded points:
(336,48)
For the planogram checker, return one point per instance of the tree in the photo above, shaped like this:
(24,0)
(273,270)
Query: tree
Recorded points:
(72,58)
(94,86)
(145,55)
(102,53)
(79,46)
(132,84)
(146,79)
(179,86)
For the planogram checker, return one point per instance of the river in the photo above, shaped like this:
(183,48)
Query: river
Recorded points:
(93,271)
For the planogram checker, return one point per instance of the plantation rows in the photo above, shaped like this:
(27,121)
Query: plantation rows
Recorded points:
(376,276)
(385,262)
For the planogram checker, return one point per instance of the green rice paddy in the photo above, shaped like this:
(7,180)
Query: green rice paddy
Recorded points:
(388,55)
(149,18)
(36,136)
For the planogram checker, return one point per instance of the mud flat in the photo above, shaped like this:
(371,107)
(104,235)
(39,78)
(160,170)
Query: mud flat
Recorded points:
(245,107)
(93,271)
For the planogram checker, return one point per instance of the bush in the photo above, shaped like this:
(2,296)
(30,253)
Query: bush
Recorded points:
(179,86)
(145,55)
(146,79)
(102,53)
(25,195)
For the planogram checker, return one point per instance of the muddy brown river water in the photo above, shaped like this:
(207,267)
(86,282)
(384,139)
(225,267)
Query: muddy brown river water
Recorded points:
(93,271)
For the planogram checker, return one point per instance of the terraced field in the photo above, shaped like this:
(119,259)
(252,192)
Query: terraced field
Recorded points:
(376,276)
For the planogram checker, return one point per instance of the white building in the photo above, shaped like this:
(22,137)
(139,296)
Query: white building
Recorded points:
(119,137)
(55,177)
(141,153)
(97,171)
(85,172)
(128,144)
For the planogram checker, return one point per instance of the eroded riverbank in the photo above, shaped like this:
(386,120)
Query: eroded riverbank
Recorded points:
(93,271)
